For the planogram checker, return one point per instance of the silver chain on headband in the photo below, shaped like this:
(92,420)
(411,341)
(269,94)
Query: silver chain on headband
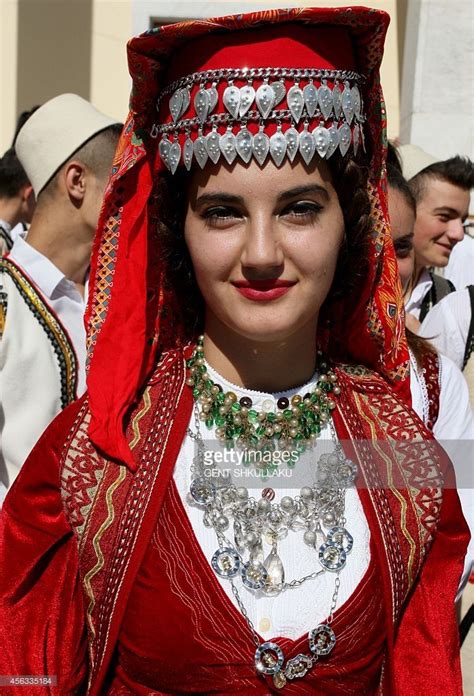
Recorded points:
(326,103)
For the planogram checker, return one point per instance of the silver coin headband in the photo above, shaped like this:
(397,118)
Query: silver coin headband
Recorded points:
(336,107)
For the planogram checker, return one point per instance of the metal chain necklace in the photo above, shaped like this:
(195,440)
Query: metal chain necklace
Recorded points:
(318,511)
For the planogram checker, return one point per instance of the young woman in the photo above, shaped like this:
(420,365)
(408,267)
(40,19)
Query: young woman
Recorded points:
(245,303)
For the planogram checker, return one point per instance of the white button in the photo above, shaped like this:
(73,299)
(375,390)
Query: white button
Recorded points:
(264,625)
(268,405)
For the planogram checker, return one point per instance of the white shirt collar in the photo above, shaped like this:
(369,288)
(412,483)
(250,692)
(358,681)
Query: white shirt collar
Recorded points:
(46,276)
(413,304)
(6,225)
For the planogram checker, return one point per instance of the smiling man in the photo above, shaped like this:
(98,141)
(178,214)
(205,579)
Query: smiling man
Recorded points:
(441,190)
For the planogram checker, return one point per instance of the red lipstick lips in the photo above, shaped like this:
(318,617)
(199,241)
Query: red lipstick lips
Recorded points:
(263,290)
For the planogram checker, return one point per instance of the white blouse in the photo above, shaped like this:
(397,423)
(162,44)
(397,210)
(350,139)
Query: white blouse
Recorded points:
(295,611)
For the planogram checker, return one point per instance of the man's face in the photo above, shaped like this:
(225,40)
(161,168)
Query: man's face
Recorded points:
(440,214)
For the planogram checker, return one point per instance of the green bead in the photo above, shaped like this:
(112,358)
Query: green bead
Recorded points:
(253,415)
(229,432)
(220,397)
(199,354)
(209,422)
(196,392)
(239,429)
(310,417)
(302,406)
(277,436)
(260,430)
(288,414)
(298,436)
(236,407)
(253,440)
(271,417)
(202,368)
(220,420)
(208,384)
(190,362)
(314,398)
(306,433)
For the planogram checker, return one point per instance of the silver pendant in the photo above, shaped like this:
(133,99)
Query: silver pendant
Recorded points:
(269,658)
(164,149)
(278,147)
(243,144)
(247,96)
(344,138)
(321,639)
(292,138)
(347,106)
(295,102)
(265,99)
(226,562)
(201,104)
(279,680)
(254,575)
(333,140)
(239,538)
(310,94)
(174,156)
(321,138)
(179,103)
(325,101)
(332,557)
(213,98)
(227,146)
(307,145)
(200,151)
(356,101)
(298,667)
(202,491)
(337,101)
(275,574)
(261,147)
(280,91)
(231,99)
(340,537)
(188,153)
(346,471)
(212,146)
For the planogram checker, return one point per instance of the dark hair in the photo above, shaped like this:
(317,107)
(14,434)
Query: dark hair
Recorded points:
(393,158)
(96,154)
(22,119)
(350,182)
(457,170)
(397,181)
(12,175)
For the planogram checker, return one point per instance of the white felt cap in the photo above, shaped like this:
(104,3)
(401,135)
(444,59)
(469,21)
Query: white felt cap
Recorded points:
(414,160)
(54,132)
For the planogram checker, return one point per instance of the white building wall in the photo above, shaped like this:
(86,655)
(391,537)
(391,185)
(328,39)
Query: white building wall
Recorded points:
(437,104)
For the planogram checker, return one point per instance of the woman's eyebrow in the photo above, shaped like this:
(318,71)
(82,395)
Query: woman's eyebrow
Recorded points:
(218,197)
(302,191)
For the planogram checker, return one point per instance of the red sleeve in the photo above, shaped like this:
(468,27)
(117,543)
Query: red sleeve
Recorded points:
(42,627)
(426,656)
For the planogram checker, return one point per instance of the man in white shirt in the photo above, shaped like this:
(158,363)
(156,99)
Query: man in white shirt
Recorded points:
(66,148)
(441,190)
(17,200)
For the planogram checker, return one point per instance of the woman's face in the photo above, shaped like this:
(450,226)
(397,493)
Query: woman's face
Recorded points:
(264,245)
(402,222)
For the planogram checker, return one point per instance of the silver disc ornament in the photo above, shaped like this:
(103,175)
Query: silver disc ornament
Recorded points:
(269,658)
(322,640)
(226,562)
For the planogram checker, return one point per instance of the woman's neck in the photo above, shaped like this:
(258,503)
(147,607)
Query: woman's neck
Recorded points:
(263,366)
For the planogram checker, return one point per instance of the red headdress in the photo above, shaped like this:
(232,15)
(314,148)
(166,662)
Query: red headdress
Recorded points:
(133,315)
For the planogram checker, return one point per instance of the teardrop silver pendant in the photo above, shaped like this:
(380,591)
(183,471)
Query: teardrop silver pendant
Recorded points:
(212,146)
(213,98)
(231,99)
(347,106)
(176,105)
(243,144)
(174,156)
(321,138)
(247,96)
(310,94)
(325,101)
(333,141)
(200,151)
(201,104)
(164,149)
(227,146)
(337,101)
(344,138)
(356,101)
(292,138)
(295,102)
(261,147)
(265,99)
(278,145)
(279,90)
(188,151)
(307,145)
(275,574)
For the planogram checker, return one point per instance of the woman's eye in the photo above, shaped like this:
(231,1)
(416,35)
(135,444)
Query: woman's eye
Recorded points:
(220,215)
(302,211)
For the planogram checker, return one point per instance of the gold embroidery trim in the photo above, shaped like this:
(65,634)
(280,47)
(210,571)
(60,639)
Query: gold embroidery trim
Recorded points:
(58,334)
(139,416)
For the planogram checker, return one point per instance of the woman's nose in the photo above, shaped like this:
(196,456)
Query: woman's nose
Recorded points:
(262,249)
